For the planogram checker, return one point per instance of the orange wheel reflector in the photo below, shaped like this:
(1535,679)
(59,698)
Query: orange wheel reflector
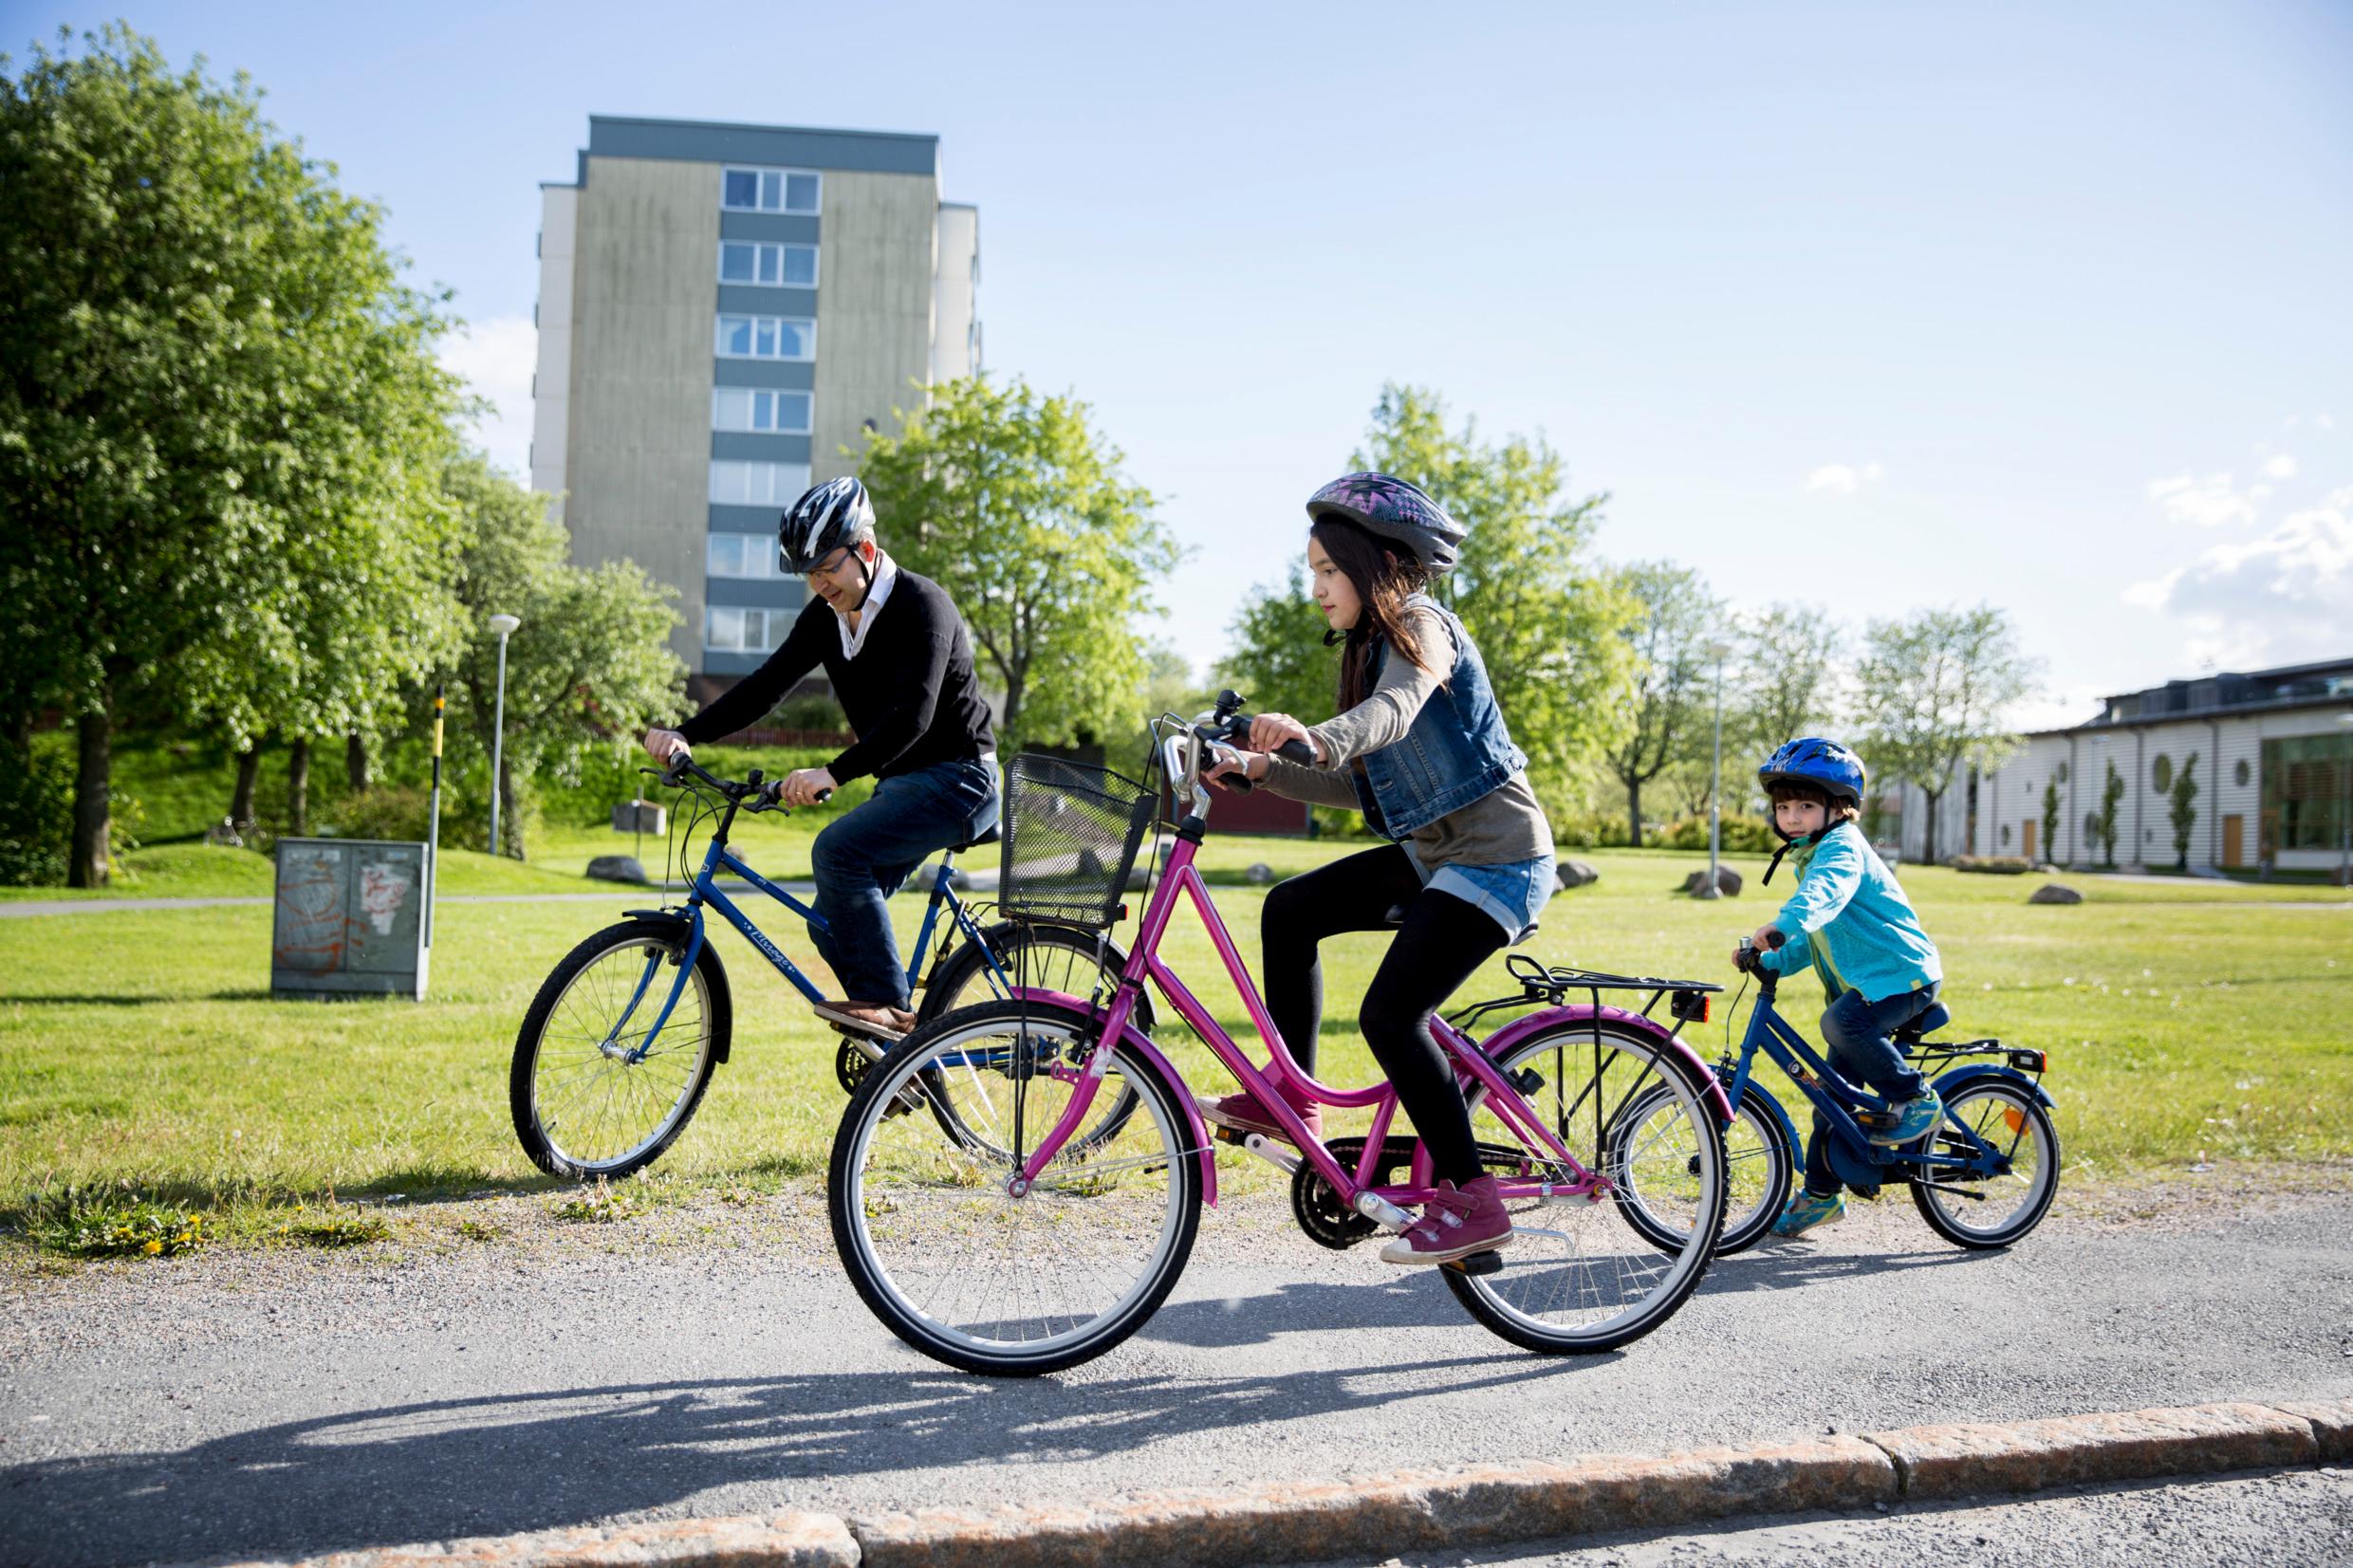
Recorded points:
(2016,1118)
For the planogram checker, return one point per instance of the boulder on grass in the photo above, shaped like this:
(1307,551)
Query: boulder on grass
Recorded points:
(2055,893)
(1576,873)
(619,868)
(1727,881)
(1259,874)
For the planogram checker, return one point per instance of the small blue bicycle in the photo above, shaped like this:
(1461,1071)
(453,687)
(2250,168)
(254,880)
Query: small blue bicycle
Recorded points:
(1983,1179)
(612,1062)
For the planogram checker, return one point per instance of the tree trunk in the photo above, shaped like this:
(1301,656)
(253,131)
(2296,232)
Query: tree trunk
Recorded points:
(1928,821)
(298,787)
(1634,812)
(241,798)
(93,786)
(509,813)
(356,762)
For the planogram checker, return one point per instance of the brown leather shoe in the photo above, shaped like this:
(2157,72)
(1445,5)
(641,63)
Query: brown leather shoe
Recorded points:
(873,1020)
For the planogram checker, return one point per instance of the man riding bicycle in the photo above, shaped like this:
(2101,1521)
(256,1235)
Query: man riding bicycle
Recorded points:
(900,661)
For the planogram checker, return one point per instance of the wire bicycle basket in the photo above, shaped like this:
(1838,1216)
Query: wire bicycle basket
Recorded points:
(1070,840)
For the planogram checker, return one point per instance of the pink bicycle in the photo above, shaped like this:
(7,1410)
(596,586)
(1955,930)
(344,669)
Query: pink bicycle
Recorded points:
(1052,1216)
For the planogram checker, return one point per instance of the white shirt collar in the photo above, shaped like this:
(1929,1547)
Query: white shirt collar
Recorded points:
(886,575)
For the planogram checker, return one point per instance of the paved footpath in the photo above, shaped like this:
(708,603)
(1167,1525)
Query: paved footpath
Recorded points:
(282,1403)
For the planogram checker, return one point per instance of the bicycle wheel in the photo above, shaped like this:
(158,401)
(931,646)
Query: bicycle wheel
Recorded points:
(1046,958)
(958,1267)
(1760,1165)
(1053,958)
(1579,1277)
(1990,1211)
(586,1102)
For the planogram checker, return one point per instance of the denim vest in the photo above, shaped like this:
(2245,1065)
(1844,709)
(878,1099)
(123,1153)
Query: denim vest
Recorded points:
(1455,752)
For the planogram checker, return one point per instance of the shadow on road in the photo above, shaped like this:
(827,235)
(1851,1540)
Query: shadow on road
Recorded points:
(503,1463)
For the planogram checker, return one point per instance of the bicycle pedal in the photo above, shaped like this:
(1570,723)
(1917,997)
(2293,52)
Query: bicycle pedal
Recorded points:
(1477,1264)
(1223,1133)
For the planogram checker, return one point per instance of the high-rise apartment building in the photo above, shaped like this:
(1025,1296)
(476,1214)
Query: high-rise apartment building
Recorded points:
(722,310)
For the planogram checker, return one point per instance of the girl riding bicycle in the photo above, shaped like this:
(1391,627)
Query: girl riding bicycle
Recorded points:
(1420,747)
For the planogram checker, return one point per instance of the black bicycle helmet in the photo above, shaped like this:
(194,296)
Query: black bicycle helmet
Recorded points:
(1390,509)
(826,517)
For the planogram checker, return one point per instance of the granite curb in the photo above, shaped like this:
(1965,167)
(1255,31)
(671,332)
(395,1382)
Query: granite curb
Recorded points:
(1479,1505)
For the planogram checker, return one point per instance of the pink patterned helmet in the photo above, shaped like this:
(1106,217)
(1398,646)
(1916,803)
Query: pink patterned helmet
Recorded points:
(1390,509)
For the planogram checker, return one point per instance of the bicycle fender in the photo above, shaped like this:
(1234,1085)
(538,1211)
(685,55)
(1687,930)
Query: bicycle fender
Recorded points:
(1503,1040)
(1960,1075)
(1142,1044)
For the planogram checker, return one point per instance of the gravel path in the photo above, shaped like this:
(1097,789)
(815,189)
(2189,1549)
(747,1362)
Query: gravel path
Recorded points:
(713,1360)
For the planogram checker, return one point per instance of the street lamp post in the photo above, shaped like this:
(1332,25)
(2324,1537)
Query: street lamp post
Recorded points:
(1718,652)
(504,626)
(2344,806)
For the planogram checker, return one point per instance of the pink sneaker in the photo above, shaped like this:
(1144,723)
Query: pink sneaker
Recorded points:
(1242,1114)
(1455,1223)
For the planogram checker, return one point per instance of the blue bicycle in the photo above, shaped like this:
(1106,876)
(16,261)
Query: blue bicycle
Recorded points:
(620,1043)
(1982,1179)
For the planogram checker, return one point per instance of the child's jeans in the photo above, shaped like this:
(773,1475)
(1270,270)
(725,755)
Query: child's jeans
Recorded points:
(1856,1034)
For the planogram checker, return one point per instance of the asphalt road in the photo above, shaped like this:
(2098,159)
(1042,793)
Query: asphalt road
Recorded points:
(278,1402)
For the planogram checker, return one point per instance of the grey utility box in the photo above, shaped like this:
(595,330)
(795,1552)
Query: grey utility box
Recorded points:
(350,919)
(640,817)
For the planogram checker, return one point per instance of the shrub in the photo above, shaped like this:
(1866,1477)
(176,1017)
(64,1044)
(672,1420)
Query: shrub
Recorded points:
(36,821)
(404,812)
(1996,865)
(1738,833)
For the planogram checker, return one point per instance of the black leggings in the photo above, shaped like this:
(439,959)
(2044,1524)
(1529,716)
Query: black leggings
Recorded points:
(1444,939)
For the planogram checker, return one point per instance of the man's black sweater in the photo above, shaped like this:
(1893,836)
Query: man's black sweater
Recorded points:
(909,694)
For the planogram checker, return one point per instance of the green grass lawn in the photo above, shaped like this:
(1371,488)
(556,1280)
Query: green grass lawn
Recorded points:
(141,1050)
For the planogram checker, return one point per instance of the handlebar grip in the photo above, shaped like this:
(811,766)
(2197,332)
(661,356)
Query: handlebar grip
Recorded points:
(1296,751)
(1775,940)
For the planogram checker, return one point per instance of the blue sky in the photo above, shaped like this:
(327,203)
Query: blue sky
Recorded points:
(1878,306)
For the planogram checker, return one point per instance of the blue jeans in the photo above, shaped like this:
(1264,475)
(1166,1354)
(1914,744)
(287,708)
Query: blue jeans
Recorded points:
(1856,1034)
(866,854)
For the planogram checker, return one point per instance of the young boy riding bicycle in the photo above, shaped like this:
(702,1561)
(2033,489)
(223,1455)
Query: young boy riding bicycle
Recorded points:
(1851,921)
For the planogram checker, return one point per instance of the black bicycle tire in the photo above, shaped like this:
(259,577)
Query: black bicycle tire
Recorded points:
(2016,1231)
(863,1104)
(519,1098)
(1698,1079)
(1781,1152)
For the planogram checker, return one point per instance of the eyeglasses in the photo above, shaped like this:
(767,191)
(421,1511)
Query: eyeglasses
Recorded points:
(832,564)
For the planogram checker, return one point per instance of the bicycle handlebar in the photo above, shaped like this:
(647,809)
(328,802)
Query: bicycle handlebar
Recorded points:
(1237,728)
(760,796)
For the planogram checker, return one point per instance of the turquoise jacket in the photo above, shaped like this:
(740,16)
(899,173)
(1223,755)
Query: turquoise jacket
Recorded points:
(1850,920)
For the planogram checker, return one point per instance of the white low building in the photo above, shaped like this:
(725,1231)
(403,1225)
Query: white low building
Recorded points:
(2271,751)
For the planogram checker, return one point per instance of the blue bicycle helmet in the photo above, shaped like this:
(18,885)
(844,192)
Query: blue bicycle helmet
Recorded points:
(1825,765)
(1828,766)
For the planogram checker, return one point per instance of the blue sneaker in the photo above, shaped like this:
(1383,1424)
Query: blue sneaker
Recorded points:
(1806,1211)
(1915,1119)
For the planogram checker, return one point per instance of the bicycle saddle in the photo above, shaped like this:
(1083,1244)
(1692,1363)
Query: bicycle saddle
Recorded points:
(1935,1018)
(977,839)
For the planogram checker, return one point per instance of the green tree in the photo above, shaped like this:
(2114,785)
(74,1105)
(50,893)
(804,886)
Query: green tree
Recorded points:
(212,377)
(1279,661)
(1791,665)
(1673,677)
(2111,795)
(590,661)
(2051,819)
(1012,505)
(1933,689)
(2182,809)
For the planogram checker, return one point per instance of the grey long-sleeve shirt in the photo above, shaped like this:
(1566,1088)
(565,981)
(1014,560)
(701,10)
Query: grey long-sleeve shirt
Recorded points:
(1501,827)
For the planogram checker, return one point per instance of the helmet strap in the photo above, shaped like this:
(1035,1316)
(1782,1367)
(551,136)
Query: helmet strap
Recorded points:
(1788,843)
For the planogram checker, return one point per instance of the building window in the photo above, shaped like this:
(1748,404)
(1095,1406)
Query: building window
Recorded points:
(2062,774)
(767,190)
(758,408)
(766,337)
(2304,785)
(768,266)
(2162,773)
(2238,773)
(747,555)
(730,630)
(738,483)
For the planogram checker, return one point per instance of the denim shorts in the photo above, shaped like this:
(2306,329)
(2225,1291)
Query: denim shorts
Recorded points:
(1512,894)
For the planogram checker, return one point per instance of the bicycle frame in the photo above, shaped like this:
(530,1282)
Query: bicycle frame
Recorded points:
(1830,1094)
(1472,1065)
(705,890)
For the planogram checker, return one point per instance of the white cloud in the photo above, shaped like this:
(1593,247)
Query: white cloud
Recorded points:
(1844,478)
(2282,467)
(2324,421)
(2209,502)
(495,359)
(2286,595)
